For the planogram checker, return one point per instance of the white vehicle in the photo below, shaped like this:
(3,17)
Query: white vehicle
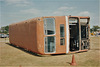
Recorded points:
(3,35)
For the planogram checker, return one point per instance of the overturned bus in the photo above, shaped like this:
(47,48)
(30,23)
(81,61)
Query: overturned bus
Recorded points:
(52,35)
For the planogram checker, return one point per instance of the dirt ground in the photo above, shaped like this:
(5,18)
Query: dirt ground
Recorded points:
(11,56)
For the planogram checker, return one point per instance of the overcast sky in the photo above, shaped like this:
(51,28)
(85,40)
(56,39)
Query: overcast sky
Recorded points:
(12,11)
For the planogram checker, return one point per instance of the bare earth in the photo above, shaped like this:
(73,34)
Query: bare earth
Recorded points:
(11,56)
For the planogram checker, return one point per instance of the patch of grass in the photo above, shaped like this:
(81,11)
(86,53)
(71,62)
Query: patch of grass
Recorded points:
(11,56)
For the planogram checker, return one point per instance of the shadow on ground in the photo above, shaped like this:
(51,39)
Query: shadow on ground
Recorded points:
(29,52)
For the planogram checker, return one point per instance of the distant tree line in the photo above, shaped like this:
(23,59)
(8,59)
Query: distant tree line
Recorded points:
(4,29)
(95,28)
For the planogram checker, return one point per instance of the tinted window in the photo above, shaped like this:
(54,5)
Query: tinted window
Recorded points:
(62,35)
(62,41)
(62,30)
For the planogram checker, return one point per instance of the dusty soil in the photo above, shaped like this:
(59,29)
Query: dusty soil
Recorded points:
(11,56)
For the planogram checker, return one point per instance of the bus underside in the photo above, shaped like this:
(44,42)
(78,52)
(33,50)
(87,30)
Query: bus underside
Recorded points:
(79,33)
